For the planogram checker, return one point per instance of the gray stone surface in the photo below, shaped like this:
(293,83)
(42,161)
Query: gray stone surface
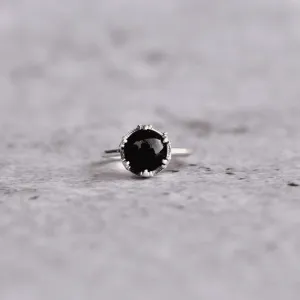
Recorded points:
(221,77)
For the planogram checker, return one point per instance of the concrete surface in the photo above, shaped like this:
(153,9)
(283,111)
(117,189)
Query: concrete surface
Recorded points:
(221,77)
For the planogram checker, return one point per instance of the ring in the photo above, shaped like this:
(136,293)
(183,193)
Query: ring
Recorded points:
(145,151)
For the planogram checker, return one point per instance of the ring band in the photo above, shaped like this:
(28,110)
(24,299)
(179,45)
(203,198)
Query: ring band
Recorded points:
(145,151)
(116,154)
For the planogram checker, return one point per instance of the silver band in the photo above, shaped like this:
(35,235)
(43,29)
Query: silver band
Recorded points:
(115,153)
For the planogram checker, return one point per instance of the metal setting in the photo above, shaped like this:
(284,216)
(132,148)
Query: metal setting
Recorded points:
(117,154)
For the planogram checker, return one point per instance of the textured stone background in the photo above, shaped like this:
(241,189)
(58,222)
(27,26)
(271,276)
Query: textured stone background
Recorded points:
(221,77)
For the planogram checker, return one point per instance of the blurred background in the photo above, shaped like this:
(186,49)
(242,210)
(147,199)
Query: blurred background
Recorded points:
(222,77)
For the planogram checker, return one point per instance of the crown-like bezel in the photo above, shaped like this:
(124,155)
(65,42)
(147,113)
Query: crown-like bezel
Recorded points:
(166,141)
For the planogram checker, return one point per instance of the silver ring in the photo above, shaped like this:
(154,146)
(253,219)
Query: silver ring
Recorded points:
(145,151)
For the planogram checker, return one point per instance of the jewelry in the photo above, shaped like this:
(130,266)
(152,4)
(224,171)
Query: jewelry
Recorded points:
(145,151)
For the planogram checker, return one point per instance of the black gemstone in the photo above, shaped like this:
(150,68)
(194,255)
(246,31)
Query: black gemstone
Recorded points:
(145,150)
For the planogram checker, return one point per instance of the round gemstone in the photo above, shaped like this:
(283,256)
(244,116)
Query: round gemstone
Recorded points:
(145,150)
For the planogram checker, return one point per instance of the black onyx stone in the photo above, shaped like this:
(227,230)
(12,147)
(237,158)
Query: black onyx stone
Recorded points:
(145,150)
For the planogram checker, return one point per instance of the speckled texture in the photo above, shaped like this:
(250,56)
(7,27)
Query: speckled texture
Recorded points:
(221,77)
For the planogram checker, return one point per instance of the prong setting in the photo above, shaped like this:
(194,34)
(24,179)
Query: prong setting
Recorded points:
(145,127)
(165,138)
(165,162)
(126,164)
(136,156)
(147,174)
(123,142)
